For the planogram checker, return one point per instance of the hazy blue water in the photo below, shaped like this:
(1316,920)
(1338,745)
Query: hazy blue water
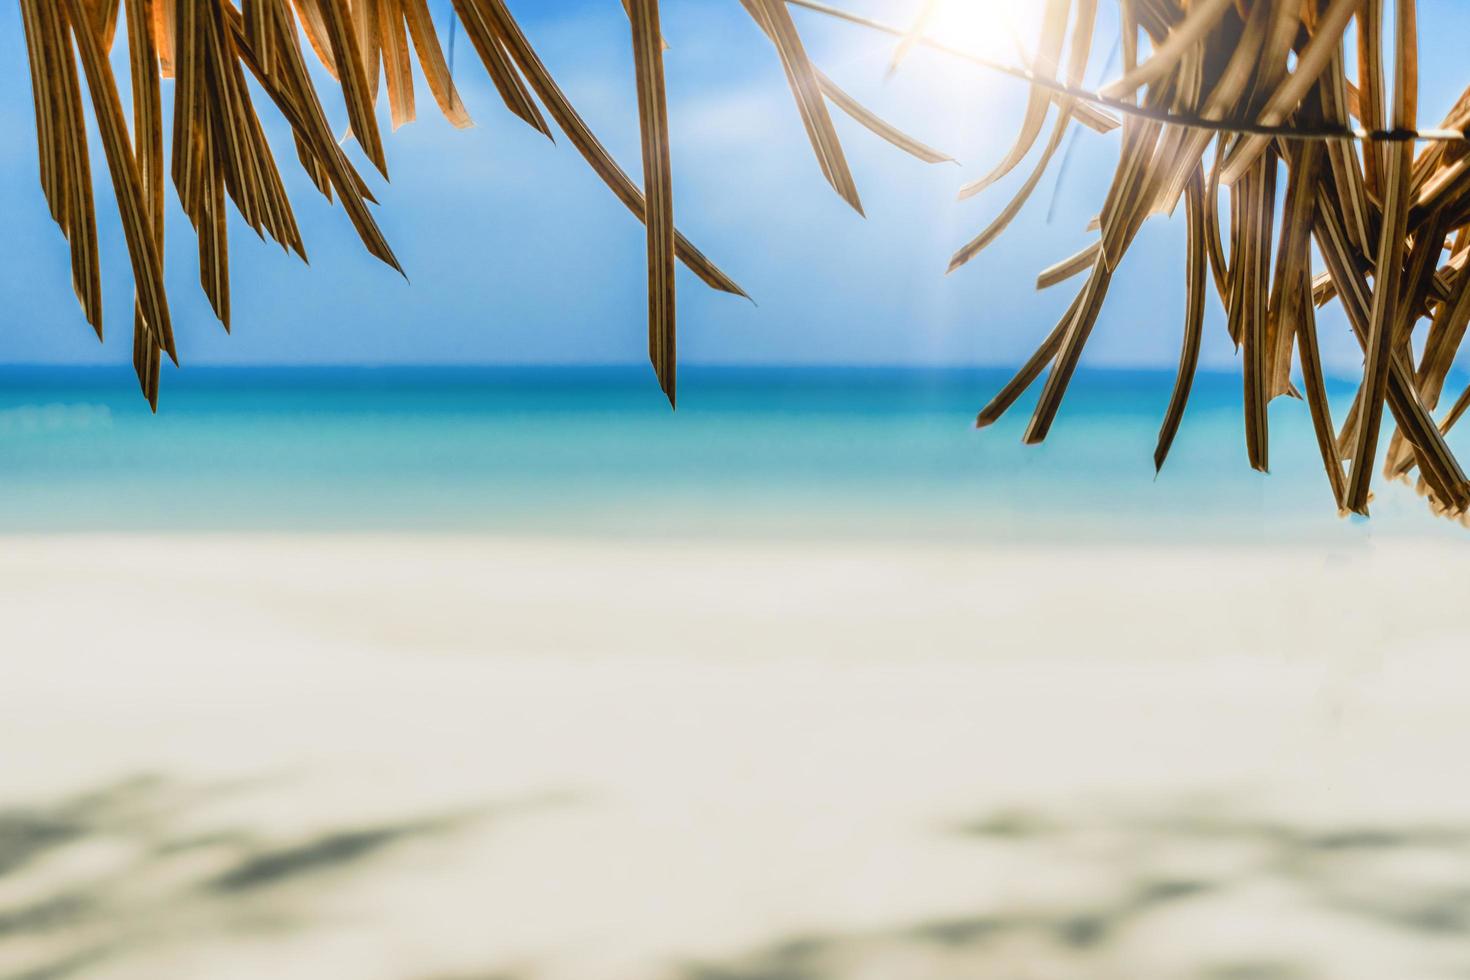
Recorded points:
(596,451)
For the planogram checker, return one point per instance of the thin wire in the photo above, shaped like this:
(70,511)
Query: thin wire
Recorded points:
(1237,126)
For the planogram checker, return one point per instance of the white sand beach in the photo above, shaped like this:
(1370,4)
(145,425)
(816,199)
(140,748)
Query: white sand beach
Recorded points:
(418,758)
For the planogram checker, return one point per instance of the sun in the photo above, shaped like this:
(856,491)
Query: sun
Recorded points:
(990,28)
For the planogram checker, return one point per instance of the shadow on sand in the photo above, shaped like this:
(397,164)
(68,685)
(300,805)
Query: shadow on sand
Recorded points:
(111,871)
(1196,890)
(1193,892)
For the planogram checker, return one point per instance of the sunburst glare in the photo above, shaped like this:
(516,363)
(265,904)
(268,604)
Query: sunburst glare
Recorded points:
(998,29)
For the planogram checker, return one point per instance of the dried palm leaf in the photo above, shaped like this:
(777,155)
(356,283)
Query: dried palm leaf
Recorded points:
(1194,320)
(431,60)
(775,20)
(1073,265)
(66,174)
(137,222)
(1388,263)
(485,25)
(855,109)
(397,65)
(877,125)
(915,34)
(658,187)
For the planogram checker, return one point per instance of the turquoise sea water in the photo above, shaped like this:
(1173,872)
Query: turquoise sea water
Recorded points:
(597,452)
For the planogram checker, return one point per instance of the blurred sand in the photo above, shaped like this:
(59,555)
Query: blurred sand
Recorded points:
(417,758)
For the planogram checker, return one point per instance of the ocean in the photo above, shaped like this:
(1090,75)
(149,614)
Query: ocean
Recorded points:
(597,452)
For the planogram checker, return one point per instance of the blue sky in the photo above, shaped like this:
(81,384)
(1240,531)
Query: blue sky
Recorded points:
(517,254)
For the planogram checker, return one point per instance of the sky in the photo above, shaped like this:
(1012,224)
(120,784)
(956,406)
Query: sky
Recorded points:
(516,253)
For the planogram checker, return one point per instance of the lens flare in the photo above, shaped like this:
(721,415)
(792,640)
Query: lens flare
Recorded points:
(998,29)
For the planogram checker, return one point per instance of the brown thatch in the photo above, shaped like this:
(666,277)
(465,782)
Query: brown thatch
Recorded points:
(1249,96)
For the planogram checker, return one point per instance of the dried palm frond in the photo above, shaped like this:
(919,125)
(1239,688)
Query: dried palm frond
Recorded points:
(219,152)
(1250,97)
(1265,81)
